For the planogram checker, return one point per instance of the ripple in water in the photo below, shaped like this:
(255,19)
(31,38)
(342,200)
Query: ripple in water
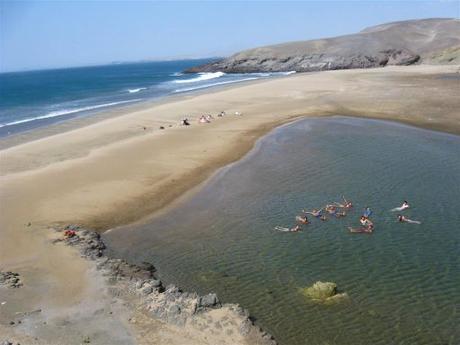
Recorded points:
(403,279)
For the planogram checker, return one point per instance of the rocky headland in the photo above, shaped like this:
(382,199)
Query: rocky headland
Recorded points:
(140,285)
(428,41)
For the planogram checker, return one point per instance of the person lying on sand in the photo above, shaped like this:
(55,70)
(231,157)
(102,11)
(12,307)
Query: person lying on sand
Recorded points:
(209,118)
(302,220)
(203,119)
(346,203)
(221,114)
(185,122)
(403,219)
(316,213)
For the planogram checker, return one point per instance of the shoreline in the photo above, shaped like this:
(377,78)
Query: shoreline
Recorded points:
(93,117)
(110,173)
(78,122)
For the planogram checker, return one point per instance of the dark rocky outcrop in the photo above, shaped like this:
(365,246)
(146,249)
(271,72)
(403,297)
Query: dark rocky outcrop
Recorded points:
(169,304)
(10,279)
(399,43)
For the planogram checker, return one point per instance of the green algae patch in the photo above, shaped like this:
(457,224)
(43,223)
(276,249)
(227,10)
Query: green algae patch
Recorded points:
(324,292)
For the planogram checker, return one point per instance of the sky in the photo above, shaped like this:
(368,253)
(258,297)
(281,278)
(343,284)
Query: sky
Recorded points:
(53,34)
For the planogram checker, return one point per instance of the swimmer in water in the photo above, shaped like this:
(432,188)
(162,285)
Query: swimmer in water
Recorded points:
(403,219)
(340,214)
(367,212)
(367,226)
(295,228)
(331,209)
(302,220)
(366,222)
(316,213)
(346,203)
(404,206)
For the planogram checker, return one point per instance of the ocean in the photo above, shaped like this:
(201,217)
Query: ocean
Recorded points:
(403,280)
(39,98)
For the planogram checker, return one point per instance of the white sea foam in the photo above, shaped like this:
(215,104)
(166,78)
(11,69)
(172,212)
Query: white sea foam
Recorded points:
(201,77)
(136,90)
(263,74)
(63,112)
(213,84)
(176,74)
(288,73)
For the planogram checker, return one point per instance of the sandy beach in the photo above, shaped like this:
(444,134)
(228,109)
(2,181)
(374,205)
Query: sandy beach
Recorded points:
(113,172)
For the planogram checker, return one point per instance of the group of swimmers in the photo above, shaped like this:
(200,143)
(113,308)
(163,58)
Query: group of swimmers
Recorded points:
(404,219)
(338,210)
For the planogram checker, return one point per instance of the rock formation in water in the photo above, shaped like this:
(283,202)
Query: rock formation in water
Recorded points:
(324,292)
(432,41)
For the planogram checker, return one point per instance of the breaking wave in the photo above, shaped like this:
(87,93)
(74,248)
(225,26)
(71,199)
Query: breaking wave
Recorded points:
(201,77)
(63,112)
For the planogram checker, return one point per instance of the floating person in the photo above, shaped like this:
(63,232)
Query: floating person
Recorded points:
(340,214)
(403,219)
(367,226)
(316,213)
(360,230)
(346,203)
(404,206)
(296,228)
(367,212)
(302,220)
(331,209)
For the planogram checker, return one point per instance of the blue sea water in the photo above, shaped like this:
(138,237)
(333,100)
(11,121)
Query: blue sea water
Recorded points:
(38,98)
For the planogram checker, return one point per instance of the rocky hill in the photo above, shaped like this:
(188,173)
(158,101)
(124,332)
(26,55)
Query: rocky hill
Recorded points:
(433,41)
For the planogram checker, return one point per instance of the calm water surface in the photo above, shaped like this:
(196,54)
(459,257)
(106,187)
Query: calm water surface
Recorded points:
(403,280)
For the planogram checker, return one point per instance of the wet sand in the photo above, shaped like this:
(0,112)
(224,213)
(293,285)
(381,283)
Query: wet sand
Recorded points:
(114,172)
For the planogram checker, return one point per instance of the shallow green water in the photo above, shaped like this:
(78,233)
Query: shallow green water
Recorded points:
(403,280)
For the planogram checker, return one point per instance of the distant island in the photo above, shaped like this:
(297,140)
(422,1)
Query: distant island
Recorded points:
(428,41)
